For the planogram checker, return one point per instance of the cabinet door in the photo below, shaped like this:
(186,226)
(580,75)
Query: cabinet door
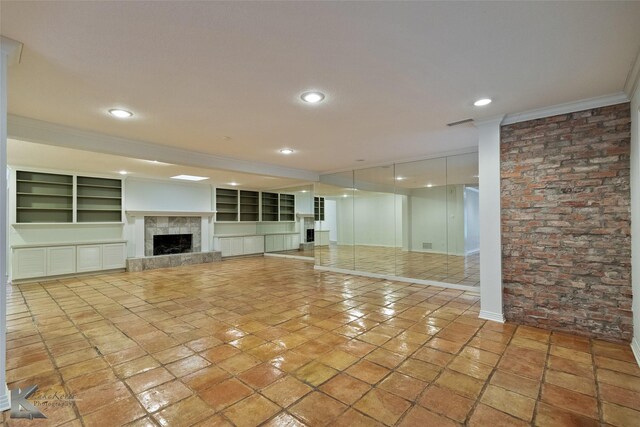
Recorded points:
(29,262)
(89,258)
(237,246)
(61,260)
(113,256)
(295,241)
(253,244)
(224,246)
(274,243)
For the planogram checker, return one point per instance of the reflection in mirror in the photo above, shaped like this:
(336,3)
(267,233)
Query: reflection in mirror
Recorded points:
(375,216)
(463,228)
(334,239)
(293,234)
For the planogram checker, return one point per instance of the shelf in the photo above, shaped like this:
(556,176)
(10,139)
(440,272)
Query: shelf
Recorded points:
(65,184)
(99,186)
(99,197)
(43,209)
(44,194)
(99,210)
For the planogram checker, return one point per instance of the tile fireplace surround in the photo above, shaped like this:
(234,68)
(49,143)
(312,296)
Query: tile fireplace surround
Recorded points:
(163,225)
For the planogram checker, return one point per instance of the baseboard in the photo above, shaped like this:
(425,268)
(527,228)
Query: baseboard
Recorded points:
(489,315)
(301,258)
(399,279)
(635,347)
(5,398)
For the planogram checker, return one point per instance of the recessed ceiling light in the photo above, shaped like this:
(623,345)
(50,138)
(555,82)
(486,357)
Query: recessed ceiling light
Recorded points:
(122,172)
(190,177)
(399,178)
(233,184)
(303,191)
(312,97)
(119,113)
(286,151)
(345,195)
(429,185)
(482,102)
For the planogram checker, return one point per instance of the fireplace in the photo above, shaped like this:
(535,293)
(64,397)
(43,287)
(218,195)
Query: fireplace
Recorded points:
(165,244)
(310,235)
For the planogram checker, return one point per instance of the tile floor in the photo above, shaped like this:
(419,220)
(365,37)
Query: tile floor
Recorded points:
(463,270)
(270,341)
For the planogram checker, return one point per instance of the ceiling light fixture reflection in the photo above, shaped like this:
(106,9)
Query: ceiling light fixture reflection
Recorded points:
(119,113)
(312,97)
(190,177)
(123,172)
(399,178)
(286,151)
(234,184)
(429,185)
(482,102)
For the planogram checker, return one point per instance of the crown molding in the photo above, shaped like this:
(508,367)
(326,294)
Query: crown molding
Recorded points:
(633,78)
(569,107)
(11,48)
(491,121)
(38,131)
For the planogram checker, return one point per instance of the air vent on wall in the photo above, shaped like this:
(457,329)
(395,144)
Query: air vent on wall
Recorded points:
(427,245)
(460,122)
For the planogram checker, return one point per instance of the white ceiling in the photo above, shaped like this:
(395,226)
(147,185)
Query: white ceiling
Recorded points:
(21,154)
(394,72)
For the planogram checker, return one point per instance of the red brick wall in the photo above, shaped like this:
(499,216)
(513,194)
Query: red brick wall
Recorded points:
(566,244)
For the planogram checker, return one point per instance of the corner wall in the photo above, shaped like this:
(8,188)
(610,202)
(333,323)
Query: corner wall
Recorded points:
(566,222)
(635,218)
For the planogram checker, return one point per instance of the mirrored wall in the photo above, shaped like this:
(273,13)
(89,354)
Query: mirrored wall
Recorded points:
(418,220)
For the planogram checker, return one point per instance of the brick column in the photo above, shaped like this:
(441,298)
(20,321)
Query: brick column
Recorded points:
(490,238)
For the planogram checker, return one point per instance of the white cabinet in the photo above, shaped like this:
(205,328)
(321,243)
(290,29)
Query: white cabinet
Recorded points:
(113,256)
(29,262)
(253,244)
(291,242)
(89,258)
(41,261)
(61,260)
(274,242)
(242,245)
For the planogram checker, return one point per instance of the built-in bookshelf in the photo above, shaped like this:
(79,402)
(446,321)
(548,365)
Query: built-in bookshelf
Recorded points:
(249,205)
(287,207)
(43,197)
(318,208)
(226,204)
(98,199)
(269,206)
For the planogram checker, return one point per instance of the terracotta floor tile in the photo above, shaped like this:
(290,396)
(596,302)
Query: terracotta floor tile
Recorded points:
(419,416)
(214,421)
(289,361)
(445,345)
(619,379)
(572,382)
(315,373)
(357,348)
(163,395)
(402,385)
(172,354)
(283,420)
(382,406)
(261,376)
(136,366)
(251,411)
(618,365)
(338,359)
(519,366)
(460,384)
(479,355)
(286,391)
(613,351)
(225,393)
(88,381)
(267,351)
(470,367)
(571,400)
(205,378)
(524,386)
(187,365)
(485,415)
(619,396)
(619,415)
(445,402)
(367,371)
(81,368)
(433,356)
(115,414)
(385,358)
(183,413)
(345,388)
(353,418)
(507,401)
(148,379)
(125,355)
(418,369)
(571,367)
(551,416)
(575,355)
(307,409)
(240,363)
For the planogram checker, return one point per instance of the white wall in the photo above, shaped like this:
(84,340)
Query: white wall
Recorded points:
(369,218)
(635,219)
(142,194)
(330,220)
(471,220)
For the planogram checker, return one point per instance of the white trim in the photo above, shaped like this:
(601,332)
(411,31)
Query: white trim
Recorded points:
(398,278)
(633,78)
(5,398)
(32,130)
(635,347)
(569,107)
(301,258)
(488,315)
(11,48)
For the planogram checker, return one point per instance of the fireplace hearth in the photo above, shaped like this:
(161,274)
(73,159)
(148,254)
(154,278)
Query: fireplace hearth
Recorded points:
(167,244)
